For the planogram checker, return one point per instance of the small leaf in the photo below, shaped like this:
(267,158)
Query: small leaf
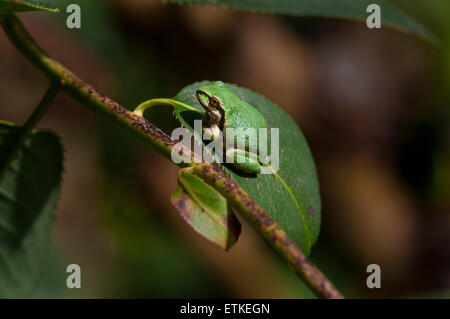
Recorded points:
(345,9)
(11,6)
(29,190)
(206,210)
(291,197)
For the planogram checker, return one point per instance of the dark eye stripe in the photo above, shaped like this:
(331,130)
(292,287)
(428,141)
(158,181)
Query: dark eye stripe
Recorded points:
(214,102)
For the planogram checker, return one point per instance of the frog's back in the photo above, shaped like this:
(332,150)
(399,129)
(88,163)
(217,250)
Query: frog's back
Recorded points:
(245,116)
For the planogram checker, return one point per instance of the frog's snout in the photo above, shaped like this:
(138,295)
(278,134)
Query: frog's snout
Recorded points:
(203,98)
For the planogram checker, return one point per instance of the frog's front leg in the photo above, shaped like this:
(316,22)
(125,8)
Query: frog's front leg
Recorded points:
(243,161)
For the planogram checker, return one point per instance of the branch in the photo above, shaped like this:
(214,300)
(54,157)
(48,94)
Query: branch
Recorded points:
(268,229)
(85,93)
(212,173)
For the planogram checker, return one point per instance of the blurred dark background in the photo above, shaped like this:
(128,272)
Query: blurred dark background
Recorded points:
(373,105)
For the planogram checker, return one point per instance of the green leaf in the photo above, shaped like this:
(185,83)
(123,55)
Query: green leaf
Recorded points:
(11,6)
(391,15)
(291,197)
(29,190)
(205,210)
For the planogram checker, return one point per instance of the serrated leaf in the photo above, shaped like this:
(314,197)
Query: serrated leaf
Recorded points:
(391,15)
(291,197)
(29,190)
(11,6)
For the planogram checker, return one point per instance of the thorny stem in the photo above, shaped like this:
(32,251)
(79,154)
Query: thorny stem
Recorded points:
(241,201)
(29,125)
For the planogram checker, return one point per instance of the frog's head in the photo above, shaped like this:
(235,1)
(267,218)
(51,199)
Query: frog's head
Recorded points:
(213,98)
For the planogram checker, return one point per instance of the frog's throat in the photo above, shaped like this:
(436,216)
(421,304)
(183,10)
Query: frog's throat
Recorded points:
(212,119)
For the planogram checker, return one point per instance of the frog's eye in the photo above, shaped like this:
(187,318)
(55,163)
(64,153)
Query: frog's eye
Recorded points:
(214,102)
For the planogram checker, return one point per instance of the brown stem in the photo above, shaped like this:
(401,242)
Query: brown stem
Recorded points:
(82,91)
(268,229)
